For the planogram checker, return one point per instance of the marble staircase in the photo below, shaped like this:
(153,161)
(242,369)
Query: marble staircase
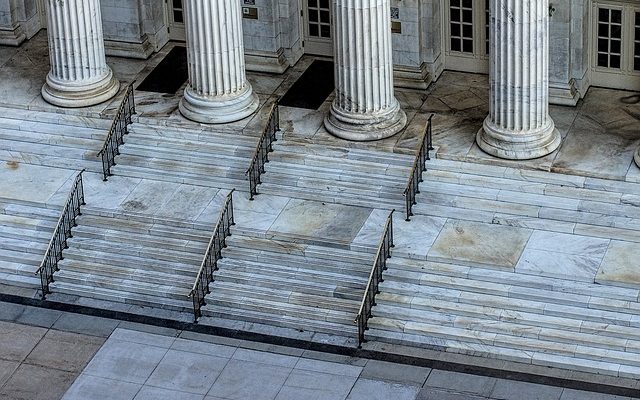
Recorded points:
(290,282)
(531,199)
(132,259)
(182,155)
(25,231)
(357,177)
(51,139)
(509,316)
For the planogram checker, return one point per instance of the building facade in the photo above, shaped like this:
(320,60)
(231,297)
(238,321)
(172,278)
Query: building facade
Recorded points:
(592,42)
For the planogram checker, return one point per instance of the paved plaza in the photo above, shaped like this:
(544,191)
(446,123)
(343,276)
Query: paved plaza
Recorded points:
(47,354)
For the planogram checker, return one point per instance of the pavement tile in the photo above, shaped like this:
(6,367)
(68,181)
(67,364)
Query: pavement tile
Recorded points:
(509,390)
(242,380)
(366,389)
(126,361)
(32,382)
(65,350)
(154,393)
(94,388)
(86,324)
(187,372)
(459,382)
(17,341)
(400,373)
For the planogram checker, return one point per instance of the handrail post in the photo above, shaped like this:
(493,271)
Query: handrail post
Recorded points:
(375,278)
(119,128)
(214,253)
(61,233)
(263,148)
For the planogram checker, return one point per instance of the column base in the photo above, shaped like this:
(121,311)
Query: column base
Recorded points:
(72,94)
(518,146)
(218,109)
(636,157)
(365,127)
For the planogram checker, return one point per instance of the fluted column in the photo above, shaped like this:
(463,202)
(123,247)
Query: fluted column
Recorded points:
(519,126)
(79,74)
(218,90)
(365,107)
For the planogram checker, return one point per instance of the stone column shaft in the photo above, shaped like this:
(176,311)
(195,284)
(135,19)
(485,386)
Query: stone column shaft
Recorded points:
(79,74)
(218,90)
(519,125)
(365,107)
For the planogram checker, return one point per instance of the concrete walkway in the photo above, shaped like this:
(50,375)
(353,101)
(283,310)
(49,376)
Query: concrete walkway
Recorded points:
(47,354)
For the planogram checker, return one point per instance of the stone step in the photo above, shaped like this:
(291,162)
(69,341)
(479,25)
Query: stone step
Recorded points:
(19,269)
(272,280)
(222,298)
(290,296)
(124,261)
(219,182)
(327,197)
(120,238)
(25,233)
(21,257)
(122,285)
(332,185)
(137,250)
(145,226)
(284,321)
(458,302)
(386,316)
(29,119)
(339,166)
(580,360)
(58,150)
(118,296)
(23,281)
(397,266)
(131,273)
(294,261)
(329,253)
(373,156)
(195,132)
(185,168)
(88,139)
(24,246)
(300,281)
(91,164)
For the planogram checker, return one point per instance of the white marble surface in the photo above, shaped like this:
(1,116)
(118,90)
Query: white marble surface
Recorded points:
(478,244)
(621,264)
(562,255)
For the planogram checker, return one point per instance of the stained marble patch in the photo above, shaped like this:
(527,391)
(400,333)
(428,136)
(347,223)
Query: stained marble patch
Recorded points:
(478,244)
(621,265)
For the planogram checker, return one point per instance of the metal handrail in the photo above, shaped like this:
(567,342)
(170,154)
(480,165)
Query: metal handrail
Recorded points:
(263,148)
(375,277)
(419,166)
(214,253)
(119,128)
(60,235)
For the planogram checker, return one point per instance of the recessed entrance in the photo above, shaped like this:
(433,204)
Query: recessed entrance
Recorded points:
(615,47)
(467,35)
(317,20)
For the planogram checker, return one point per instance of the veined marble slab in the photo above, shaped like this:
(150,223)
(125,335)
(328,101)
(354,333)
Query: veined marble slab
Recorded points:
(621,265)
(562,255)
(334,222)
(477,244)
(32,183)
